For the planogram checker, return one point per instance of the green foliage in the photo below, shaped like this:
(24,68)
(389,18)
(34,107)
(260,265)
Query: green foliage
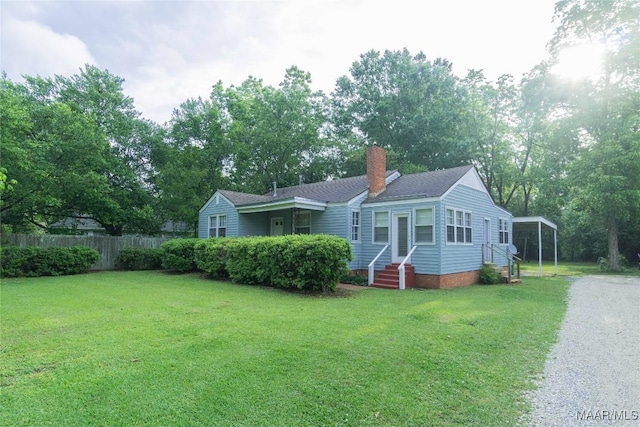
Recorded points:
(45,261)
(305,262)
(489,275)
(355,279)
(139,259)
(406,103)
(76,146)
(178,255)
(211,256)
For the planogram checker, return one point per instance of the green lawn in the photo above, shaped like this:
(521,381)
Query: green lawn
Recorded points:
(148,348)
(566,268)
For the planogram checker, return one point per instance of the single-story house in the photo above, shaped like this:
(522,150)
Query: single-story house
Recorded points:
(440,225)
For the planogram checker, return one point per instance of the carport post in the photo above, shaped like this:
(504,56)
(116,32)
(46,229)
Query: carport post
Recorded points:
(540,248)
(555,248)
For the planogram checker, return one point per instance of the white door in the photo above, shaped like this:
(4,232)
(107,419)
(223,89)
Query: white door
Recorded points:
(400,237)
(487,240)
(277,226)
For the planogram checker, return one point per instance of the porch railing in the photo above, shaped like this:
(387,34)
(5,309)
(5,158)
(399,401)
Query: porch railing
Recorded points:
(508,255)
(401,267)
(372,264)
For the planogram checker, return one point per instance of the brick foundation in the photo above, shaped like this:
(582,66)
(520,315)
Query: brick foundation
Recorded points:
(446,281)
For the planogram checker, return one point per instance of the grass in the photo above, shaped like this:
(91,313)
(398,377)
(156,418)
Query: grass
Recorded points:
(566,268)
(147,348)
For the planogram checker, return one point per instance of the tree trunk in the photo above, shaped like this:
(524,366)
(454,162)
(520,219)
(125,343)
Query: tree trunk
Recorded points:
(113,230)
(612,235)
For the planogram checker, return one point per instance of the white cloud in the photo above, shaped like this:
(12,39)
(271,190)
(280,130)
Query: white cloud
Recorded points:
(29,47)
(168,52)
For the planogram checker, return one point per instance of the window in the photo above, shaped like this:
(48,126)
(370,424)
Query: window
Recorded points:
(503,229)
(424,226)
(459,226)
(355,226)
(302,222)
(381,227)
(218,226)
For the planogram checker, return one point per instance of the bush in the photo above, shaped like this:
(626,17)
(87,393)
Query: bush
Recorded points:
(489,275)
(211,256)
(178,255)
(46,261)
(355,279)
(306,262)
(139,259)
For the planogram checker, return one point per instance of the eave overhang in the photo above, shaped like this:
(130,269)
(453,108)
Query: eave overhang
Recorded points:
(293,203)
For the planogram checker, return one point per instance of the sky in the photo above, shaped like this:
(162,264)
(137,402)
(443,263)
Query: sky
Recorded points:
(171,51)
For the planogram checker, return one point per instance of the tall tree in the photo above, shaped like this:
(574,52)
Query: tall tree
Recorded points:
(405,103)
(489,116)
(194,161)
(605,110)
(277,133)
(52,152)
(88,120)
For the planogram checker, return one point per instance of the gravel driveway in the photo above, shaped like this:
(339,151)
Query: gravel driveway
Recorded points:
(592,375)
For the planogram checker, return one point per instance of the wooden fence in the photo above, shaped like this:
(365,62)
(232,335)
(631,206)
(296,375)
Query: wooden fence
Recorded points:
(107,246)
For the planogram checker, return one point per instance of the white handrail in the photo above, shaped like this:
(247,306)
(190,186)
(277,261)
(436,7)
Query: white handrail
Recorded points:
(401,267)
(372,263)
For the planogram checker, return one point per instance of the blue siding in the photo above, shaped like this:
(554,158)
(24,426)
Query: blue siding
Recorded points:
(426,257)
(217,206)
(334,221)
(369,249)
(253,224)
(467,257)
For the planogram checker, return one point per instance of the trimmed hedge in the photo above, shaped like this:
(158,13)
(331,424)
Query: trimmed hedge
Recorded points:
(139,259)
(46,261)
(211,256)
(306,262)
(178,255)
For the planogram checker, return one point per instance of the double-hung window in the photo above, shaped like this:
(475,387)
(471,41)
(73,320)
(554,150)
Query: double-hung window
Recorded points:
(355,226)
(424,226)
(218,226)
(302,222)
(503,229)
(381,227)
(459,226)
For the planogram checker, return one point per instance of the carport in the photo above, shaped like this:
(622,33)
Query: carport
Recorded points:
(533,222)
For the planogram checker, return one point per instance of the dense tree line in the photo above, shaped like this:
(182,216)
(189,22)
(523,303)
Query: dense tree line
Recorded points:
(76,146)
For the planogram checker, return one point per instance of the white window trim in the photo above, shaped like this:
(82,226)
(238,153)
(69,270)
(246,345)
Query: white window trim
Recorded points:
(373,227)
(296,215)
(217,225)
(433,226)
(351,226)
(501,231)
(455,234)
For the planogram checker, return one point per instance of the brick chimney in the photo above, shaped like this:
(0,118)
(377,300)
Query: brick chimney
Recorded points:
(376,170)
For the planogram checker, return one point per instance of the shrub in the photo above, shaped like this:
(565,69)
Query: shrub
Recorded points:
(306,262)
(46,261)
(211,256)
(355,279)
(139,259)
(489,275)
(178,255)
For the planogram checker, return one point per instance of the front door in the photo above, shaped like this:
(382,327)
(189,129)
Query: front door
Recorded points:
(277,226)
(400,237)
(487,240)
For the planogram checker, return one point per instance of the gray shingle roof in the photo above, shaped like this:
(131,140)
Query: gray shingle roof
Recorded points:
(339,190)
(419,185)
(239,199)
